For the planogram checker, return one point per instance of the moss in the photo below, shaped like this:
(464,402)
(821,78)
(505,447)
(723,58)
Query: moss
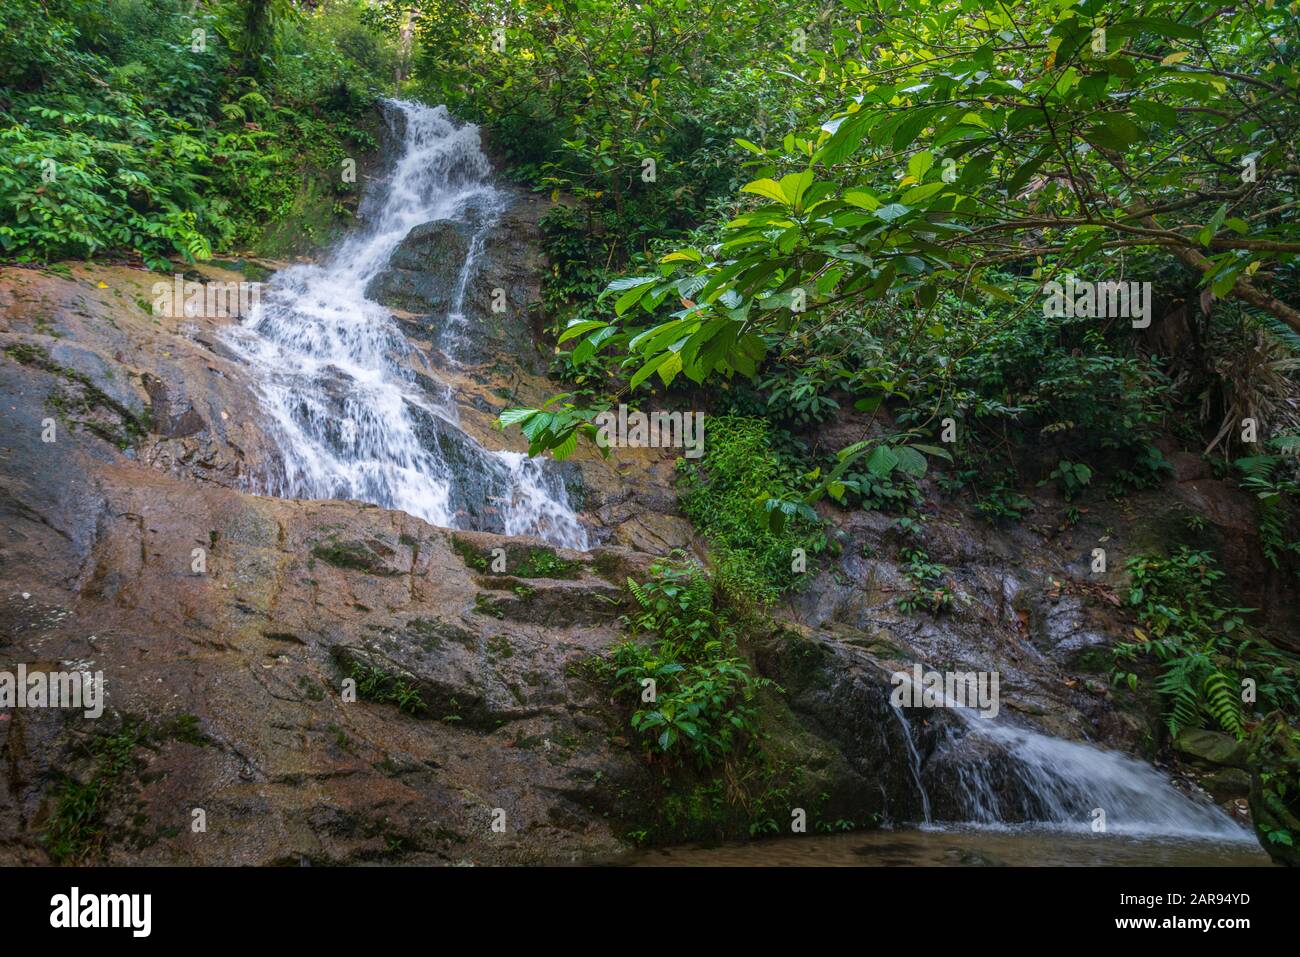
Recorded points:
(484,606)
(311,689)
(1275,787)
(315,217)
(252,271)
(79,826)
(521,561)
(341,739)
(544,563)
(79,400)
(357,556)
(468,555)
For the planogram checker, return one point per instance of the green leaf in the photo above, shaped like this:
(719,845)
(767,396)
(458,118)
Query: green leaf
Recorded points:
(910,461)
(511,416)
(893,211)
(919,193)
(862,199)
(1114,131)
(767,187)
(630,298)
(566,447)
(919,163)
(578,327)
(794,186)
(644,372)
(882,461)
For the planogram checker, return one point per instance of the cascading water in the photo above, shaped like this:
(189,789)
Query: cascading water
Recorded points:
(1048,780)
(914,762)
(335,373)
(989,773)
(996,775)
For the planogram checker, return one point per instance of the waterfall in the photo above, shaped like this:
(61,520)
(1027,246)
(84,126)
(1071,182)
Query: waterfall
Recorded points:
(991,773)
(914,762)
(334,370)
(995,774)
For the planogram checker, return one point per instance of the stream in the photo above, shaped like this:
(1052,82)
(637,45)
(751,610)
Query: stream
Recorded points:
(353,421)
(335,372)
(963,846)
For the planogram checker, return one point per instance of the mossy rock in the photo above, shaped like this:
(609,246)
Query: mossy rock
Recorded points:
(356,556)
(1212,747)
(1227,784)
(1275,788)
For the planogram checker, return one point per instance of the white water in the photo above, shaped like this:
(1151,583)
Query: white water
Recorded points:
(914,762)
(334,369)
(1010,776)
(1059,784)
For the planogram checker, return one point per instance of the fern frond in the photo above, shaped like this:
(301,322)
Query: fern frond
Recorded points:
(1280,331)
(1223,702)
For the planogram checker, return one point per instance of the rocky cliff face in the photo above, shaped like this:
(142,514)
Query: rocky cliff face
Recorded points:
(226,624)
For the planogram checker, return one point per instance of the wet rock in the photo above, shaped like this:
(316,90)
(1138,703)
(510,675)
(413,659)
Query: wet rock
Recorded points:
(1275,787)
(256,648)
(424,272)
(1227,784)
(427,279)
(1211,747)
(96,359)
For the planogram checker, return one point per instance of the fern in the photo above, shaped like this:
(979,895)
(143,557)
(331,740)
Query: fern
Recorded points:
(1281,332)
(1180,683)
(640,594)
(1203,647)
(1219,692)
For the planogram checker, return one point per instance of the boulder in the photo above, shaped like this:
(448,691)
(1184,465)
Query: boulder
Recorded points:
(1211,747)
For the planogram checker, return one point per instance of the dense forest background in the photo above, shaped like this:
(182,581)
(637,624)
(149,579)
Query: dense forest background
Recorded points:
(777,210)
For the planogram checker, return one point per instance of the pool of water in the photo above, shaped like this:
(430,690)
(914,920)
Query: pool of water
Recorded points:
(957,846)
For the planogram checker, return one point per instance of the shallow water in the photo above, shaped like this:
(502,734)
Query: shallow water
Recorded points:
(957,846)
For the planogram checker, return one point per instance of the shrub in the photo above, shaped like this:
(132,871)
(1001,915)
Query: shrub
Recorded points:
(725,493)
(703,692)
(1202,646)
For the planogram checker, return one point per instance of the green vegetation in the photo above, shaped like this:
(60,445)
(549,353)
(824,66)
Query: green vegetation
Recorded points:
(375,684)
(1275,787)
(79,827)
(544,563)
(739,495)
(152,127)
(728,758)
(1273,480)
(357,556)
(1204,650)
(929,590)
(518,562)
(701,692)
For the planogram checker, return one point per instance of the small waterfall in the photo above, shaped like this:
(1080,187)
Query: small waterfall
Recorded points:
(990,773)
(335,372)
(914,762)
(999,775)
